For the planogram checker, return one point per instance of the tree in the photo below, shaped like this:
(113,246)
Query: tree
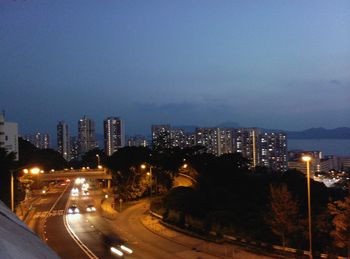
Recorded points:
(283,216)
(7,162)
(341,221)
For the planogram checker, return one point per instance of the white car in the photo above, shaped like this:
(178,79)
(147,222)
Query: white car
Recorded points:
(75,192)
(73,210)
(90,208)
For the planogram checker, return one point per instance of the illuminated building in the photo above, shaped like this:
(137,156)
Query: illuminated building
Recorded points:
(39,140)
(273,151)
(246,142)
(114,137)
(137,141)
(63,140)
(161,136)
(86,135)
(9,135)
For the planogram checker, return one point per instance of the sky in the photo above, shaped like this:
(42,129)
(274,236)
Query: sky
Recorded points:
(270,64)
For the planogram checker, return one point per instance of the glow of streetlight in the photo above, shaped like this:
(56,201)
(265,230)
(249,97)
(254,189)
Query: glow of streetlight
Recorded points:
(143,166)
(306,158)
(185,166)
(35,170)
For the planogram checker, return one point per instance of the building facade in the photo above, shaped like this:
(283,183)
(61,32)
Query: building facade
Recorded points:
(246,142)
(208,138)
(114,135)
(86,135)
(273,151)
(137,141)
(39,140)
(63,140)
(161,136)
(9,136)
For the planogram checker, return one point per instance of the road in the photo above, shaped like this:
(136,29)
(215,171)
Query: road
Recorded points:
(145,243)
(89,234)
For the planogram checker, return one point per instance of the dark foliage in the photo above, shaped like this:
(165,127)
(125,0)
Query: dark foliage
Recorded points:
(46,159)
(231,197)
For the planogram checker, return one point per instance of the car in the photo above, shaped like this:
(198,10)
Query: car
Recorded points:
(75,192)
(86,193)
(90,208)
(73,210)
(119,249)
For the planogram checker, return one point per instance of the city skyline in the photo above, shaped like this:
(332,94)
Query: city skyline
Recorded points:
(271,65)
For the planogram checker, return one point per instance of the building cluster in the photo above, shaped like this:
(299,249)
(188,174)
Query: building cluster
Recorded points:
(261,148)
(8,135)
(75,147)
(39,140)
(318,163)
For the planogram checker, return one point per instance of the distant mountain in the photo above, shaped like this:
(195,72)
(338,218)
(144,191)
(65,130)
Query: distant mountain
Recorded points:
(228,124)
(192,128)
(187,128)
(320,133)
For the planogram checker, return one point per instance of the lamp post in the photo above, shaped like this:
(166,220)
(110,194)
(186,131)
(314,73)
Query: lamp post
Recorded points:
(34,171)
(307,159)
(98,160)
(143,166)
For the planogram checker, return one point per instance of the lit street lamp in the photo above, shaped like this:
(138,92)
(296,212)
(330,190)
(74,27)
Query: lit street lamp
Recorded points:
(307,159)
(143,166)
(33,171)
(98,160)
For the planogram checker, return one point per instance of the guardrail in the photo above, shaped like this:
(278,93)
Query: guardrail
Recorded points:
(290,250)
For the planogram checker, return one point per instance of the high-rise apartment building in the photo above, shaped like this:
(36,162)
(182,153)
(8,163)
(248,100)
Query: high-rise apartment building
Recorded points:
(180,139)
(114,136)
(63,141)
(260,148)
(161,136)
(9,135)
(86,135)
(74,148)
(39,140)
(246,142)
(226,137)
(137,141)
(273,151)
(208,138)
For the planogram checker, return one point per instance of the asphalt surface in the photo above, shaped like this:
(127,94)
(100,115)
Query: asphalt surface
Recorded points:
(90,234)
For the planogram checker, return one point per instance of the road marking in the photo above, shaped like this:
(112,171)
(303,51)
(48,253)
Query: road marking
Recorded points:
(70,231)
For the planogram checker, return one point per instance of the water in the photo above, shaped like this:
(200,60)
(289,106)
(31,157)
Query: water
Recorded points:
(339,147)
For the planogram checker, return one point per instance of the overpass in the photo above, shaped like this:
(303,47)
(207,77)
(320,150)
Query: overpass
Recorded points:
(97,174)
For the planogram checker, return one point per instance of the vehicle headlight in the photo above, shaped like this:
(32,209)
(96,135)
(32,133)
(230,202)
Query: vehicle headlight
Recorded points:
(70,211)
(76,210)
(88,209)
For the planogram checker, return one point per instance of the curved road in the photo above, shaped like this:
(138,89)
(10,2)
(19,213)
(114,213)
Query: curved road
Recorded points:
(93,233)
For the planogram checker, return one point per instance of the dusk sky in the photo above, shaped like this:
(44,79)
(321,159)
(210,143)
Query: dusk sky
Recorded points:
(271,64)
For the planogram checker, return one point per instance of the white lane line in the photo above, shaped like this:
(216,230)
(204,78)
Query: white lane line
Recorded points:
(82,246)
(70,231)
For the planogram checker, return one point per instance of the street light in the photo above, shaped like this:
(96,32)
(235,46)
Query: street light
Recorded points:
(307,159)
(33,171)
(143,166)
(98,160)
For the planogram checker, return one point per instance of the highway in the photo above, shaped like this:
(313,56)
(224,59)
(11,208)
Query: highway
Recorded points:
(88,234)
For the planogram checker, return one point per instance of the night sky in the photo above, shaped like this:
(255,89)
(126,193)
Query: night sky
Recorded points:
(271,64)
